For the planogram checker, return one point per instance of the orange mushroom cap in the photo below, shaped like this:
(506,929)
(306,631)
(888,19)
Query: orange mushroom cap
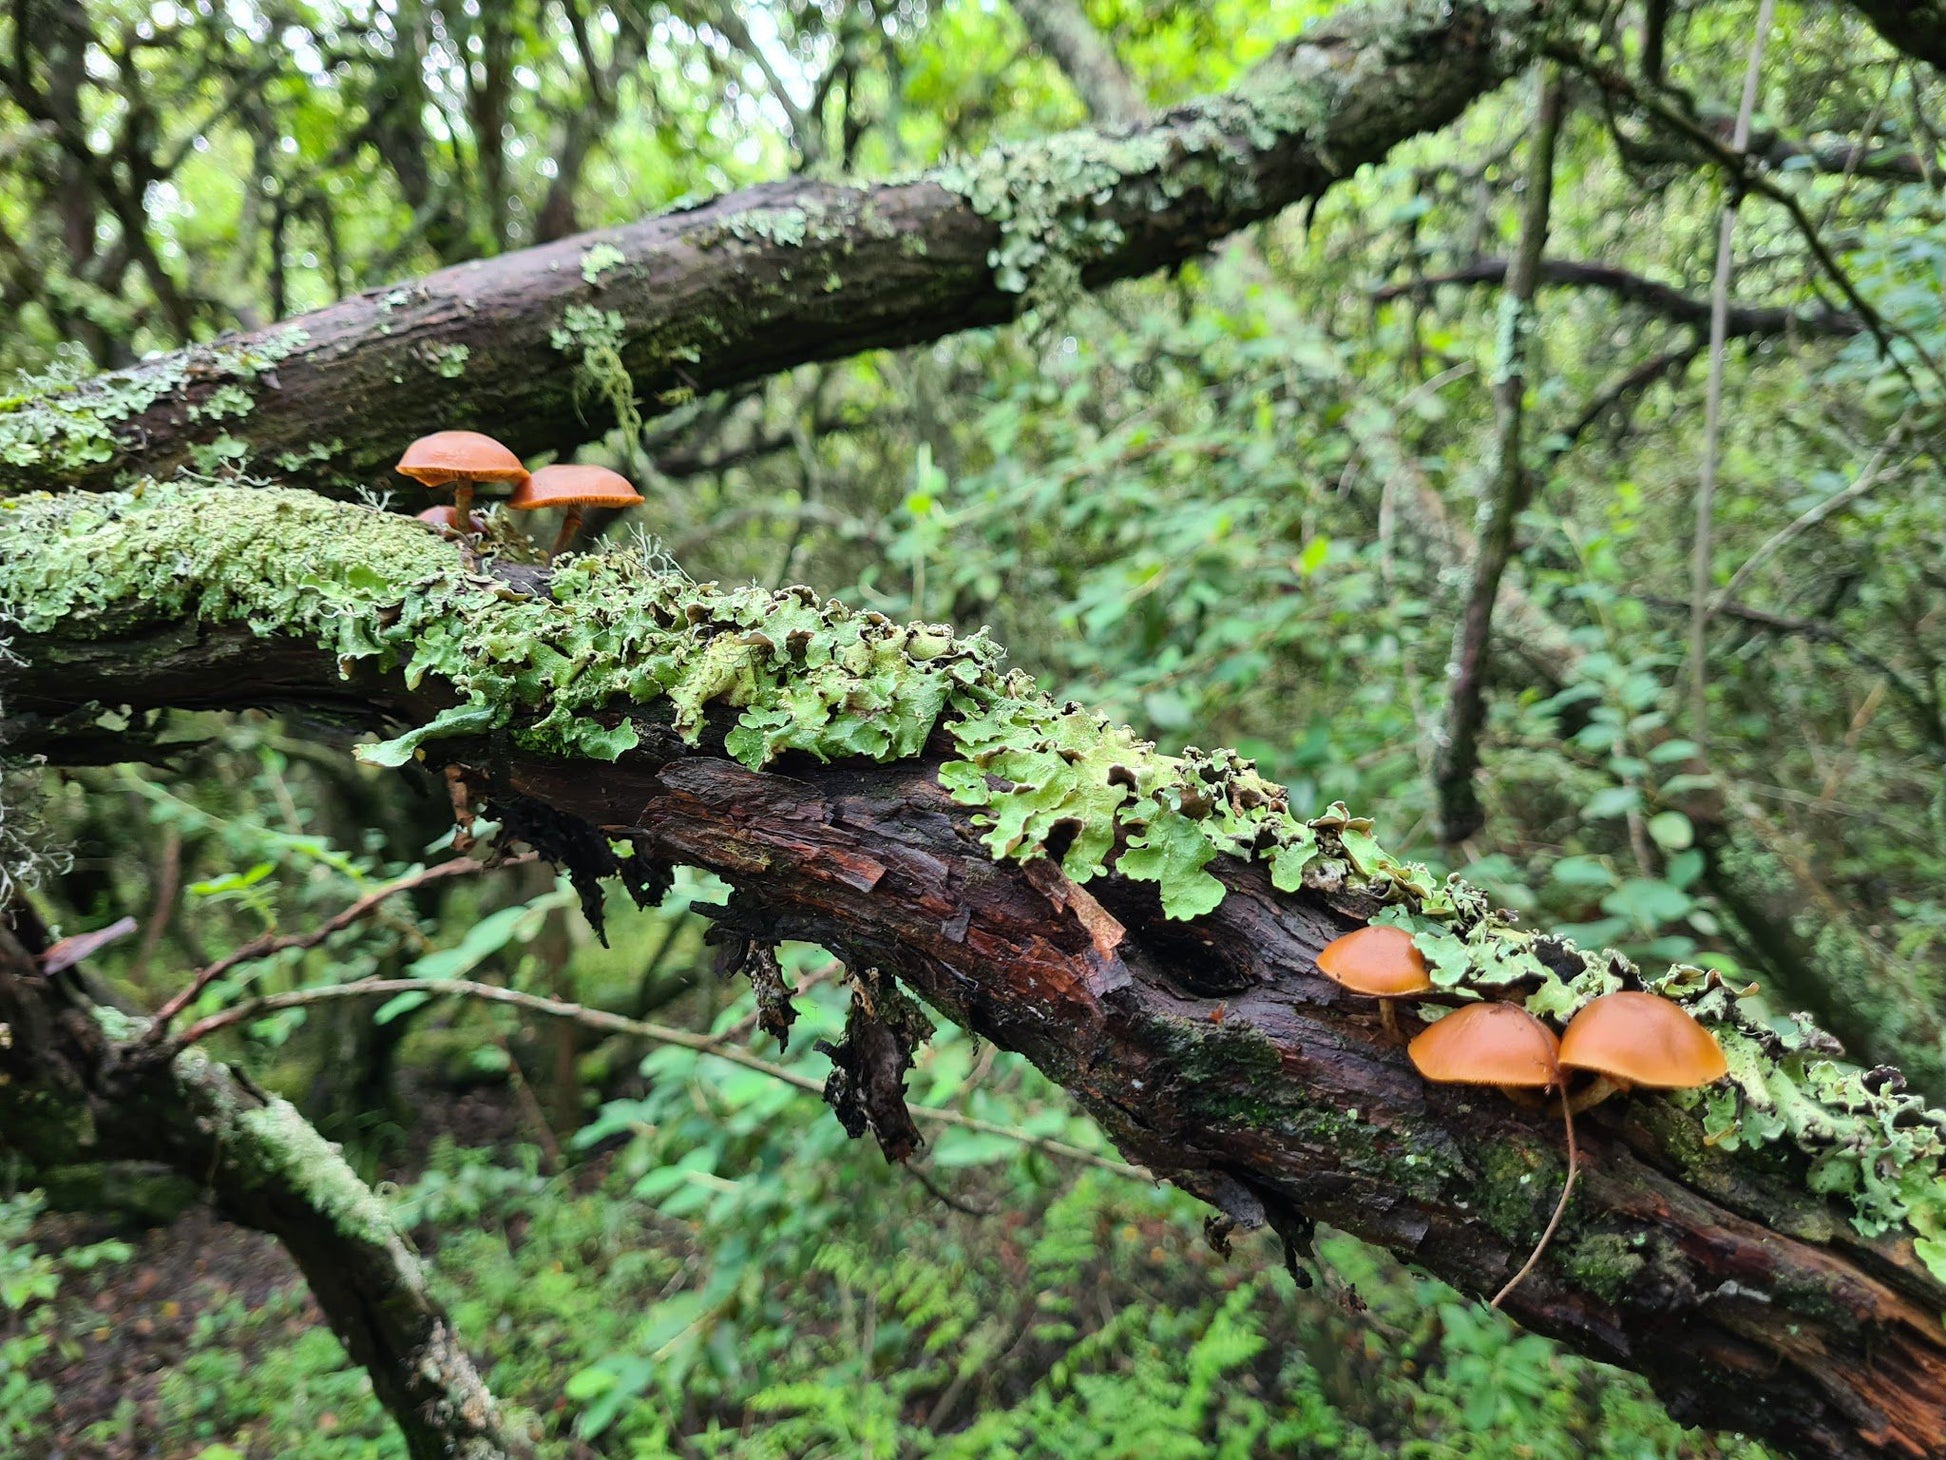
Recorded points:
(1643,1039)
(1488,1044)
(568,484)
(446,458)
(1379,960)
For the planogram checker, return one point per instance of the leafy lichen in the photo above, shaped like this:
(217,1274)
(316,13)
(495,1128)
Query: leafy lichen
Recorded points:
(598,260)
(68,421)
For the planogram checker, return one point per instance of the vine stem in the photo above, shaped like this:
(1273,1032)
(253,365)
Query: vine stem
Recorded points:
(609,1023)
(1560,1207)
(1700,561)
(272,943)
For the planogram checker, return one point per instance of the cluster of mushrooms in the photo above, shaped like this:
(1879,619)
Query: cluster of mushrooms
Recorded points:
(465,461)
(1622,1040)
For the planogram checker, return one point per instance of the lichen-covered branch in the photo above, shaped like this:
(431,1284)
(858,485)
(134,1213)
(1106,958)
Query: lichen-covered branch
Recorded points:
(73,1088)
(1771,1253)
(539,343)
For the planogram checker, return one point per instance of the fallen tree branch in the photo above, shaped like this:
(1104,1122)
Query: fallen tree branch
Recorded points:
(1698,1250)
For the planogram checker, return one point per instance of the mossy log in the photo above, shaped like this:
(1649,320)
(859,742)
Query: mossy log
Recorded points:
(738,287)
(73,1088)
(1142,927)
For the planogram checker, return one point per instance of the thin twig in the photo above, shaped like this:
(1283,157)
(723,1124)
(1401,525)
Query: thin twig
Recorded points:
(1867,479)
(270,943)
(617,1024)
(1742,167)
(1700,562)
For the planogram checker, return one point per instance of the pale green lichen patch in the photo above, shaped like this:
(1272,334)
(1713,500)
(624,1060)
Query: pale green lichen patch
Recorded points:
(69,421)
(288,1145)
(598,260)
(447,361)
(1057,202)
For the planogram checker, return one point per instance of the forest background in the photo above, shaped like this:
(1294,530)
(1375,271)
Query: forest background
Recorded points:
(1227,503)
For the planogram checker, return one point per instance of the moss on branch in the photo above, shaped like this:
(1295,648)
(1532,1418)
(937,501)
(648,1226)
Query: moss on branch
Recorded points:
(605,642)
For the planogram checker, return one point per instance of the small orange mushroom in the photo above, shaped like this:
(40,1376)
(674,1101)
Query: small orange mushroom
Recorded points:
(461,460)
(1633,1038)
(573,486)
(446,521)
(1488,1044)
(1378,960)
(1502,1045)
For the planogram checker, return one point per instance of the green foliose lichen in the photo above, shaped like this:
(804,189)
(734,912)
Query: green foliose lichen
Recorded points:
(598,260)
(373,586)
(68,421)
(1058,202)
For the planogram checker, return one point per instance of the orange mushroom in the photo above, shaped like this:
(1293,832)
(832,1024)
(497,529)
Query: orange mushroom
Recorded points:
(1633,1038)
(1505,1046)
(1378,960)
(574,487)
(1488,1044)
(461,460)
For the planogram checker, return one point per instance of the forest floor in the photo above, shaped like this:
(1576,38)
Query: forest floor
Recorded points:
(107,1381)
(171,1298)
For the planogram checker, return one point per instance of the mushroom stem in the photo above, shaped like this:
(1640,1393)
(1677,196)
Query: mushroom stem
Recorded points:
(570,525)
(1603,1087)
(1560,1207)
(463,503)
(1389,1019)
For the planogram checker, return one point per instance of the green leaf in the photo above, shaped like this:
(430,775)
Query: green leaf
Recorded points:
(1671,831)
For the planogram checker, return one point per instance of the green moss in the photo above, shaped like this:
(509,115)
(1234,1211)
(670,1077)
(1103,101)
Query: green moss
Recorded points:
(287,1144)
(1518,1187)
(1607,1264)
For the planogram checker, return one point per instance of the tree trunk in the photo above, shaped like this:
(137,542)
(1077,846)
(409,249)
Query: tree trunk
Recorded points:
(1762,1257)
(72,1089)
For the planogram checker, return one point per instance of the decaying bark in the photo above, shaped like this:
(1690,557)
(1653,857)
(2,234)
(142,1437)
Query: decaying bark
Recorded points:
(1209,1048)
(72,1088)
(742,286)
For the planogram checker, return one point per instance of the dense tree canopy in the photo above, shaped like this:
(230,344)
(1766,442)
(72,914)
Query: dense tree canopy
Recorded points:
(1511,421)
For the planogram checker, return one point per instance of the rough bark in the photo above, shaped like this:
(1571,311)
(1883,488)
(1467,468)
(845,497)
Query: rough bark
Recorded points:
(745,285)
(71,1090)
(1209,1047)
